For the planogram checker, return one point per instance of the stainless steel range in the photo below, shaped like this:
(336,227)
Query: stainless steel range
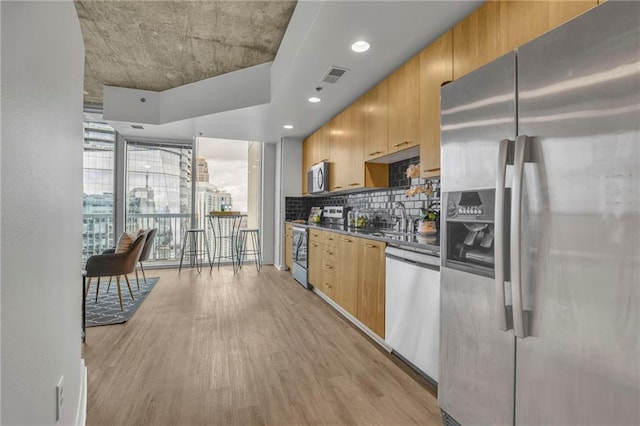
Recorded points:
(300,247)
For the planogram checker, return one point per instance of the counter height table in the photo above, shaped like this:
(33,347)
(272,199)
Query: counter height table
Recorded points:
(225,226)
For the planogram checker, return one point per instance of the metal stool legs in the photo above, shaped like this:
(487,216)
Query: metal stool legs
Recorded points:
(255,242)
(195,254)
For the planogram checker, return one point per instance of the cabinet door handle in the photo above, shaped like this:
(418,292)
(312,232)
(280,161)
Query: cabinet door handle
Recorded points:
(327,267)
(375,153)
(354,184)
(369,245)
(328,252)
(398,144)
(337,187)
(327,285)
(431,170)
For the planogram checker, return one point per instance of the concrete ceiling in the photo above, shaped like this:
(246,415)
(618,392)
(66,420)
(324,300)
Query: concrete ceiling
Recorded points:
(159,45)
(317,37)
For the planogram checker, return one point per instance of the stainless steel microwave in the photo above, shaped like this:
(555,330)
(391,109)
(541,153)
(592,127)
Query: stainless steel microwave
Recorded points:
(318,178)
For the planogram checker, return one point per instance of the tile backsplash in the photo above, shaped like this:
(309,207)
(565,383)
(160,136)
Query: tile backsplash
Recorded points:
(379,202)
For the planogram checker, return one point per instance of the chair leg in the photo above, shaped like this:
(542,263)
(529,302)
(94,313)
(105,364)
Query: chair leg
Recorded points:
(109,285)
(86,290)
(137,279)
(119,291)
(143,274)
(126,278)
(97,289)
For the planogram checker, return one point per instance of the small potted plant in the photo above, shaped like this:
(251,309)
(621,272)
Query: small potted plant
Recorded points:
(428,222)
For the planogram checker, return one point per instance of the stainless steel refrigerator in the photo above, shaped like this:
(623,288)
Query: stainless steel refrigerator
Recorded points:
(540,276)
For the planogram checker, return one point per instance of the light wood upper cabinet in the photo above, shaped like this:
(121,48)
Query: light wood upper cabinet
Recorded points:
(563,11)
(375,121)
(436,68)
(322,147)
(307,161)
(337,128)
(404,106)
(477,39)
(523,21)
(354,146)
(371,285)
(347,149)
(497,27)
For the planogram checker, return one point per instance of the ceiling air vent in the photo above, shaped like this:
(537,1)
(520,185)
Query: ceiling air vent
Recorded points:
(334,74)
(137,126)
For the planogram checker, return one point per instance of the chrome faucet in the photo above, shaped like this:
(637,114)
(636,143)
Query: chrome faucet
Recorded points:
(405,219)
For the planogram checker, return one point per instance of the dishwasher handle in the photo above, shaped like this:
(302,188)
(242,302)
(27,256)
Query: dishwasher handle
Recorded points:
(426,264)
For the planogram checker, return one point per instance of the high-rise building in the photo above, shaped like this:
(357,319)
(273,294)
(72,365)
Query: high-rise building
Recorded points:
(202,170)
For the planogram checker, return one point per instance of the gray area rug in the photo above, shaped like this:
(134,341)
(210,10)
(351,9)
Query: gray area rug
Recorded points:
(107,310)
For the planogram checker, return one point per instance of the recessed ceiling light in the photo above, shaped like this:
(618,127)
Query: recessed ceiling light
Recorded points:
(360,46)
(288,126)
(314,99)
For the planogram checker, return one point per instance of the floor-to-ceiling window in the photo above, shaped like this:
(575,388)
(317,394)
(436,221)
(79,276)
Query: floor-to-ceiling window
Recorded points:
(228,177)
(157,186)
(98,188)
(158,193)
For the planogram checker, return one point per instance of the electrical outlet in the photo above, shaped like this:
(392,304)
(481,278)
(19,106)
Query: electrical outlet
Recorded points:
(59,397)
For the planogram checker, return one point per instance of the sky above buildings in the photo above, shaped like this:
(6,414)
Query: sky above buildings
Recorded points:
(227,160)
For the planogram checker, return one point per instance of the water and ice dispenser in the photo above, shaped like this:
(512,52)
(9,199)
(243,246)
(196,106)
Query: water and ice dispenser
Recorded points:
(470,231)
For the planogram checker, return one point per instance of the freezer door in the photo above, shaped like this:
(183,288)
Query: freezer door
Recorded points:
(579,102)
(477,112)
(477,358)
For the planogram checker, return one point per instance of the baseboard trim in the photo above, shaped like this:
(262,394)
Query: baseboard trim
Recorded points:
(81,415)
(355,321)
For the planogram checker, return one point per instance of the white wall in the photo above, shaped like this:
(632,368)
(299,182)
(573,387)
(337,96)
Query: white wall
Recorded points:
(288,184)
(41,219)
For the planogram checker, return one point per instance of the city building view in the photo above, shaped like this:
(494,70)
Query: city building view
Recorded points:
(158,187)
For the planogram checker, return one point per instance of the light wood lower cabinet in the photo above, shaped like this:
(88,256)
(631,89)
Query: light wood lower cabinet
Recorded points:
(288,245)
(371,285)
(314,257)
(347,295)
(351,272)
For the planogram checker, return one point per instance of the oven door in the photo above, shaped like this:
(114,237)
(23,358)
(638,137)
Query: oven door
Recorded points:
(300,255)
(300,246)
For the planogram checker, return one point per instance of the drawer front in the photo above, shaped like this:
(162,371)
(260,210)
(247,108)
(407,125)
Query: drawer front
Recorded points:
(331,239)
(316,236)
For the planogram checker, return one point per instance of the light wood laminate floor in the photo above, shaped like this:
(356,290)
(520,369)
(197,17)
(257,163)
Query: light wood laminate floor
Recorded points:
(254,348)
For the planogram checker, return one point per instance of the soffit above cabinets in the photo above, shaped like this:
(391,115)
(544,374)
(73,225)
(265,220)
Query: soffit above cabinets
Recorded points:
(318,36)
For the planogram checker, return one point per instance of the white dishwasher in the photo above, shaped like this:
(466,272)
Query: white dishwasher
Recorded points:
(412,322)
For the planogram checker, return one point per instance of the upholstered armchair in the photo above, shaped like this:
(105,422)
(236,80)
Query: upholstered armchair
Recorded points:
(146,250)
(115,264)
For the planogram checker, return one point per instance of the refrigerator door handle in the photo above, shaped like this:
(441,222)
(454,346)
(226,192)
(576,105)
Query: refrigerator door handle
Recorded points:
(498,244)
(516,215)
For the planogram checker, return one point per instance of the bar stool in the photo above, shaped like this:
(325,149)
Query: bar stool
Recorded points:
(255,242)
(192,237)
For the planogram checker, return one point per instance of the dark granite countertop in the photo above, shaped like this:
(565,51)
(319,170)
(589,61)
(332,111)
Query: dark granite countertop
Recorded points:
(430,245)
